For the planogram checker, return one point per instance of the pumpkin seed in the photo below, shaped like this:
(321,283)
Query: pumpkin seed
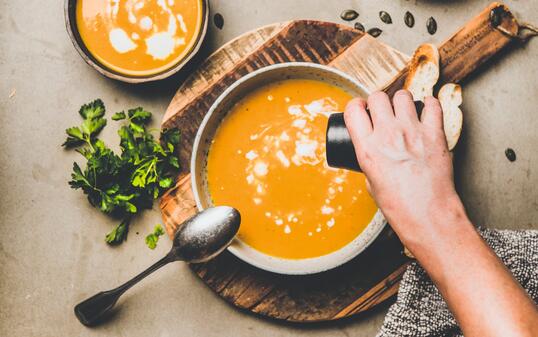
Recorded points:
(375,32)
(510,154)
(409,19)
(359,26)
(385,17)
(349,15)
(218,20)
(431,24)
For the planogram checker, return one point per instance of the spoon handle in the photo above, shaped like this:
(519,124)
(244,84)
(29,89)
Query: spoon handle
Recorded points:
(92,310)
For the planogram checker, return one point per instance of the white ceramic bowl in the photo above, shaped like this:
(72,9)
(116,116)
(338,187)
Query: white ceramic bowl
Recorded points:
(202,143)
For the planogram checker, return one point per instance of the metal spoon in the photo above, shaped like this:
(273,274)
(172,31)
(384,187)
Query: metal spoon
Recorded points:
(199,239)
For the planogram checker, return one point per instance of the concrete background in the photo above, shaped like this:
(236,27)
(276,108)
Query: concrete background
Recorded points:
(52,253)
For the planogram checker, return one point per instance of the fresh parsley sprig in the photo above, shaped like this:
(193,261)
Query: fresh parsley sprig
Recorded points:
(153,238)
(122,185)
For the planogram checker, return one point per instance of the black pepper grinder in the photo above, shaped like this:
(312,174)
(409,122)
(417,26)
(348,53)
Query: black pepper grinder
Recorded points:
(339,149)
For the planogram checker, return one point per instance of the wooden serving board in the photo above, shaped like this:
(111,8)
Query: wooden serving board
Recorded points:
(374,275)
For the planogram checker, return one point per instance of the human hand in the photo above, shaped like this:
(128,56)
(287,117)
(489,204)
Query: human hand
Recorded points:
(409,171)
(406,162)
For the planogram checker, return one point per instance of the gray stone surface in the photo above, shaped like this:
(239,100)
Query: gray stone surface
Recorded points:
(52,253)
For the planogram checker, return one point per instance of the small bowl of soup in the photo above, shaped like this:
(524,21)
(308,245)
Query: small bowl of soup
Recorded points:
(137,41)
(261,149)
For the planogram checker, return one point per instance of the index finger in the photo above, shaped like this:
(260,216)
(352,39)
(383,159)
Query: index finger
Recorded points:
(357,119)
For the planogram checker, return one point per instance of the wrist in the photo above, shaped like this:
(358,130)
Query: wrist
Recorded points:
(435,229)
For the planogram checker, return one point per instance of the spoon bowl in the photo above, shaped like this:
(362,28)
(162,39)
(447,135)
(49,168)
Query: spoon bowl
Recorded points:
(200,238)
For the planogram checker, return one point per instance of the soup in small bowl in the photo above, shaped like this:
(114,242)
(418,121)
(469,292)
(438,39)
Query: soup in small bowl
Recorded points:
(261,149)
(136,40)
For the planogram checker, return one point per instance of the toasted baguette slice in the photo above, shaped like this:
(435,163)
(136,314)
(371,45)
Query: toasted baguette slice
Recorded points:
(423,72)
(450,97)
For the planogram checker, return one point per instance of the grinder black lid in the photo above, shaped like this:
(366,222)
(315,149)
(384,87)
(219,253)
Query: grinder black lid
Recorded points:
(339,148)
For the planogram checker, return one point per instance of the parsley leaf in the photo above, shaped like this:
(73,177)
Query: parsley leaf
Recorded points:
(118,116)
(118,234)
(153,238)
(92,110)
(122,185)
(93,124)
(139,115)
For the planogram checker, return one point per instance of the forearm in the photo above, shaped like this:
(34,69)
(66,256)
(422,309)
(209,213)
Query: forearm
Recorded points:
(476,285)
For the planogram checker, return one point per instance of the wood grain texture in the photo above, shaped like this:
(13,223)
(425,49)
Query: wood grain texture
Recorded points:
(373,276)
(469,48)
(341,292)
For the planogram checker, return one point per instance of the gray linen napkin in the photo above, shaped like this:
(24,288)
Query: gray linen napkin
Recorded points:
(421,311)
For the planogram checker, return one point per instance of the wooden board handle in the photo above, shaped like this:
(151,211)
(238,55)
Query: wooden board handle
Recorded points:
(470,46)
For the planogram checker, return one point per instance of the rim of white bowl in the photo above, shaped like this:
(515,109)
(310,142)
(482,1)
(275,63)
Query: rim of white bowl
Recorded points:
(271,263)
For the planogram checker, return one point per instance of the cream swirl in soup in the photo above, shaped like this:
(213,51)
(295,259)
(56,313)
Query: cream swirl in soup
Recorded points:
(268,160)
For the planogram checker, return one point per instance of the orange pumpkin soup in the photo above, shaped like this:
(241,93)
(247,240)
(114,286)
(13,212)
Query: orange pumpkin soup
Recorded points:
(267,160)
(139,37)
